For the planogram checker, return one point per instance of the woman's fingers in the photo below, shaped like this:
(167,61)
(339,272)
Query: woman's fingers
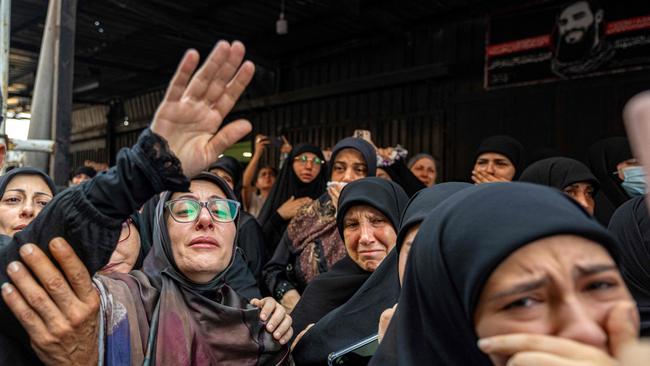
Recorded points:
(543,359)
(515,343)
(622,326)
(227,136)
(277,316)
(27,317)
(34,294)
(75,271)
(284,331)
(206,74)
(182,76)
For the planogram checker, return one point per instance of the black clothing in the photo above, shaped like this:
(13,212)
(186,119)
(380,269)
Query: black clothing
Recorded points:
(559,173)
(231,166)
(506,146)
(454,254)
(631,225)
(602,158)
(335,287)
(89,216)
(286,185)
(317,224)
(361,312)
(400,174)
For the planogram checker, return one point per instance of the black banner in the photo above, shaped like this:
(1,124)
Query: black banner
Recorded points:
(550,41)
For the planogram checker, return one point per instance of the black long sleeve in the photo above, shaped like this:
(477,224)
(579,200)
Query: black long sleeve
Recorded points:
(251,241)
(274,272)
(89,217)
(273,230)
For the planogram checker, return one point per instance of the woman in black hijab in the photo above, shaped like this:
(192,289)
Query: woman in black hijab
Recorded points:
(450,277)
(568,175)
(607,159)
(311,244)
(631,225)
(250,238)
(380,291)
(333,288)
(302,179)
(23,194)
(498,159)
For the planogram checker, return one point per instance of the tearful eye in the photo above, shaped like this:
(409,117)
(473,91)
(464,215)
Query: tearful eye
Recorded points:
(524,302)
(600,285)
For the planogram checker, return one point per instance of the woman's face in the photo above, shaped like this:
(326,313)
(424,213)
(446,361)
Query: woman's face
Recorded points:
(405,249)
(349,165)
(425,170)
(368,236)
(305,167)
(583,193)
(225,176)
(126,252)
(563,285)
(265,179)
(496,164)
(202,249)
(381,173)
(24,198)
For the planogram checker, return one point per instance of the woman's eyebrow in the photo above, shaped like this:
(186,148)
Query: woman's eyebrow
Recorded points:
(592,269)
(16,190)
(521,288)
(187,195)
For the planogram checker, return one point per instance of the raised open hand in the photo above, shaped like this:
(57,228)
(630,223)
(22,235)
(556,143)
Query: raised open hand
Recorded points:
(195,106)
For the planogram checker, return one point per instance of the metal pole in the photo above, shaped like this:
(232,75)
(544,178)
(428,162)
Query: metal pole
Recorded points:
(5,28)
(60,164)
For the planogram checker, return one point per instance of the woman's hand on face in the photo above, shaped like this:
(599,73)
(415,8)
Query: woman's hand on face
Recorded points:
(482,177)
(290,208)
(61,317)
(290,300)
(622,327)
(278,321)
(194,106)
(384,321)
(334,191)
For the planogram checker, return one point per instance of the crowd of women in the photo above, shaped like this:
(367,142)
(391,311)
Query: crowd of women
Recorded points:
(535,263)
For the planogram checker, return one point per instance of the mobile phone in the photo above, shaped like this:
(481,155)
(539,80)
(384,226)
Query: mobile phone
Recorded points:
(362,134)
(359,353)
(276,141)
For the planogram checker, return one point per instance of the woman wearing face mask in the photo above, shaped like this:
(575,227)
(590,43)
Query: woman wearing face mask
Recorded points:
(311,244)
(24,192)
(361,314)
(621,176)
(631,225)
(302,179)
(570,176)
(367,219)
(498,159)
(546,291)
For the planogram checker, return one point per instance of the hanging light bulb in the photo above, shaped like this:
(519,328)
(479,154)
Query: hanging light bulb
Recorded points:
(281,25)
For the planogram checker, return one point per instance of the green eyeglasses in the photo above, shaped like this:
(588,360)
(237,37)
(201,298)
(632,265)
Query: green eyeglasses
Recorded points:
(303,159)
(186,210)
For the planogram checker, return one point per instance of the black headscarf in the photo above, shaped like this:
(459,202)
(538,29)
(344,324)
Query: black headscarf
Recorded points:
(559,172)
(6,178)
(231,166)
(333,288)
(362,146)
(604,156)
(506,146)
(631,225)
(288,184)
(361,313)
(453,255)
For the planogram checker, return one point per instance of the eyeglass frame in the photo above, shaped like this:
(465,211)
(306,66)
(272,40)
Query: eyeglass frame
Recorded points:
(303,159)
(202,204)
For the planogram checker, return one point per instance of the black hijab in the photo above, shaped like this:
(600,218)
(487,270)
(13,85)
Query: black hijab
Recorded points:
(288,184)
(603,157)
(506,146)
(231,166)
(6,178)
(362,146)
(453,255)
(559,172)
(361,313)
(333,288)
(631,225)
